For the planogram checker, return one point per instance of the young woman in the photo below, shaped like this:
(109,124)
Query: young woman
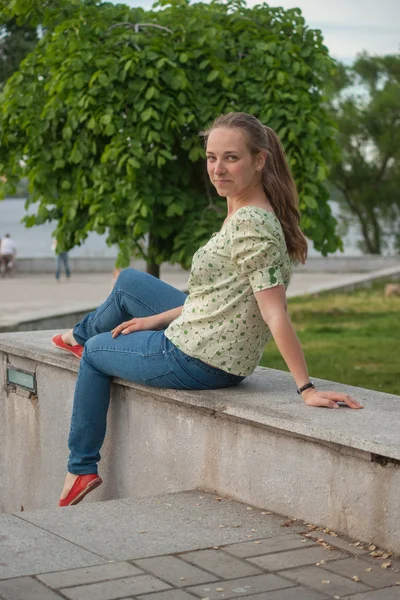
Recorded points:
(149,332)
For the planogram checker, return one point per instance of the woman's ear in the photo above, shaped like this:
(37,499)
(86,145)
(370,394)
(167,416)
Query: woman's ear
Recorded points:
(262,159)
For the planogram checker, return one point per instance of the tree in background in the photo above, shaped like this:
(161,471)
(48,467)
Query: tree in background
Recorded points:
(103,117)
(368,174)
(16,41)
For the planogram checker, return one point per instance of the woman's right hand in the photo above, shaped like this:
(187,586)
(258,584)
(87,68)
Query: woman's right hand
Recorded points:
(312,397)
(152,323)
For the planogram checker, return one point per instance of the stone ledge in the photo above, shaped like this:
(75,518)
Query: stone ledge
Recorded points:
(266,399)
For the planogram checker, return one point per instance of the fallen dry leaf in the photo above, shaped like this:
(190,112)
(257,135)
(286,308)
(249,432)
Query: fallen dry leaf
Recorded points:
(322,562)
(355,578)
(325,581)
(249,508)
(304,541)
(236,526)
(258,542)
(287,523)
(386,555)
(386,565)
(182,578)
(255,530)
(266,512)
(372,547)
(219,589)
(369,569)
(218,499)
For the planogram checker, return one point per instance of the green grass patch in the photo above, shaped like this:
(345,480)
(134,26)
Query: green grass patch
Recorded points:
(351,338)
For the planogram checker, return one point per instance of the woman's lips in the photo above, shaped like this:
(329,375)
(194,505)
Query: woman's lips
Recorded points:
(221,181)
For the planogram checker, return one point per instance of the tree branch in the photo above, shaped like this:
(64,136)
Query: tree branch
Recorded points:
(137,26)
(382,169)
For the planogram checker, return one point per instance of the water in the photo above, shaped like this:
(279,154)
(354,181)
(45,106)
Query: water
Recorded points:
(36,242)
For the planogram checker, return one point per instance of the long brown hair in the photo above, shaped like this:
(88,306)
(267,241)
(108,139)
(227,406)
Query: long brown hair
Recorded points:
(277,179)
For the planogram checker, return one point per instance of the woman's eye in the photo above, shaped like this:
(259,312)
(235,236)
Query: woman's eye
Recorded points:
(210,158)
(232,157)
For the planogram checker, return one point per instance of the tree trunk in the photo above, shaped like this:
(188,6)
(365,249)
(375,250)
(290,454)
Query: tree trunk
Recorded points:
(371,247)
(151,267)
(377,235)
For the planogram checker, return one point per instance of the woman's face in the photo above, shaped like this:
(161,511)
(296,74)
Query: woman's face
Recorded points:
(231,166)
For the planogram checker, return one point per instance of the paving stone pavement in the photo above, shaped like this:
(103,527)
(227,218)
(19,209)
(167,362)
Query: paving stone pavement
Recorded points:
(304,564)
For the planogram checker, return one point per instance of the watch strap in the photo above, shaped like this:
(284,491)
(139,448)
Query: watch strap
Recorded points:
(305,387)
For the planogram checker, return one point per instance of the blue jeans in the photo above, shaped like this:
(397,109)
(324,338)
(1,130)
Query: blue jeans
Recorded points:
(145,357)
(62,258)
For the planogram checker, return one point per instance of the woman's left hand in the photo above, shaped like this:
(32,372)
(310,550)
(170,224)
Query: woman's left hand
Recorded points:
(329,399)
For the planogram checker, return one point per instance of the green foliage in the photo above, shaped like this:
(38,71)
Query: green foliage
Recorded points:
(103,117)
(368,174)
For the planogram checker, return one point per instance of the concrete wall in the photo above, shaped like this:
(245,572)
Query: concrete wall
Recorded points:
(333,264)
(81,264)
(61,321)
(160,441)
(348,264)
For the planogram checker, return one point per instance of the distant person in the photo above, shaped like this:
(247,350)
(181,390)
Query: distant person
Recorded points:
(61,259)
(8,251)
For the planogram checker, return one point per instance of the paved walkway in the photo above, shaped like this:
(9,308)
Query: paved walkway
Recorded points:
(28,297)
(184,546)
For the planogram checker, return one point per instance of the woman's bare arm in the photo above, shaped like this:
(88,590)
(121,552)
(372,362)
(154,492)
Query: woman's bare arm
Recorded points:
(273,307)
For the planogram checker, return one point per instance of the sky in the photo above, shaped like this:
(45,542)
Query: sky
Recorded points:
(348,26)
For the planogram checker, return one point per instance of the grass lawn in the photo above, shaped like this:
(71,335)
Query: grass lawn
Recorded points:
(350,337)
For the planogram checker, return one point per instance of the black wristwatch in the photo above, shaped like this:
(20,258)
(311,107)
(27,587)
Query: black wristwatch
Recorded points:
(308,385)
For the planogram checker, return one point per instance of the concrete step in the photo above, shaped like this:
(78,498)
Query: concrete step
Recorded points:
(117,530)
(179,547)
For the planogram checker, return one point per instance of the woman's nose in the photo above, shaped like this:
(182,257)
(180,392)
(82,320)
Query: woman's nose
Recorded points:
(219,168)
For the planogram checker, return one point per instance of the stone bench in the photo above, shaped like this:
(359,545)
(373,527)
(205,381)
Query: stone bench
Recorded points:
(257,443)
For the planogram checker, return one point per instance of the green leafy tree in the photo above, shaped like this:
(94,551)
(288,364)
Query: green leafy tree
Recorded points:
(103,118)
(368,174)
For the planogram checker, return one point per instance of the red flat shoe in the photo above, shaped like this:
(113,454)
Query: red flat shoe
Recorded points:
(82,486)
(59,343)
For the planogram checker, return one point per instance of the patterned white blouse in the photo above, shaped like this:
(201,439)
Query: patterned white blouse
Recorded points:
(221,323)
